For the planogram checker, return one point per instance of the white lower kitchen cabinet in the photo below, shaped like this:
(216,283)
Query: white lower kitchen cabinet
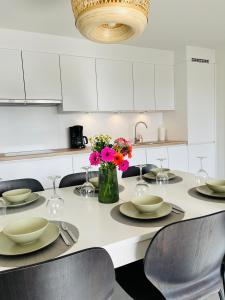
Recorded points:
(209,163)
(80,161)
(178,158)
(38,169)
(153,154)
(138,157)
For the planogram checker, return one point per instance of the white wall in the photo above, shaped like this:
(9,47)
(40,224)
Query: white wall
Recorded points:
(32,128)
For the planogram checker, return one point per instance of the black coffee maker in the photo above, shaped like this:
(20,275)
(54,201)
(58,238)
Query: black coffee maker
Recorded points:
(77,140)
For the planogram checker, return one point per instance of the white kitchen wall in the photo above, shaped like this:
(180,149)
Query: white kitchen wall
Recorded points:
(31,128)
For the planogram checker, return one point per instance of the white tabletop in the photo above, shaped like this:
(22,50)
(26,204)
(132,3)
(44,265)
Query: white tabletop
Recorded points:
(124,243)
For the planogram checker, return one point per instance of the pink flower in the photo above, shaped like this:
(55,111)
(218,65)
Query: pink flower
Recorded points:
(95,158)
(124,165)
(107,154)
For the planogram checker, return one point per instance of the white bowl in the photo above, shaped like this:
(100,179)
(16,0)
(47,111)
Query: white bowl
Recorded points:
(16,196)
(155,171)
(217,185)
(94,181)
(147,203)
(26,230)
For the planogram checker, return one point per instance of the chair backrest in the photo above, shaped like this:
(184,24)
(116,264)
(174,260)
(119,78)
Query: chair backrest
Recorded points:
(28,183)
(184,259)
(84,275)
(76,179)
(135,171)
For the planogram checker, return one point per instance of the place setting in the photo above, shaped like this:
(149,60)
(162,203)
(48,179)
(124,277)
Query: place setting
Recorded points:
(21,199)
(30,240)
(161,174)
(147,210)
(207,189)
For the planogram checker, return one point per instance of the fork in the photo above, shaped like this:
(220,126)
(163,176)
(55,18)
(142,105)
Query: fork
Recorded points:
(70,233)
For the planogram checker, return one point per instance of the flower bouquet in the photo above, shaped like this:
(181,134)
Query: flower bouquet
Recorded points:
(109,156)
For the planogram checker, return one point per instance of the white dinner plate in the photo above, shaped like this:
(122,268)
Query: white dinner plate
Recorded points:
(204,190)
(8,247)
(32,198)
(129,210)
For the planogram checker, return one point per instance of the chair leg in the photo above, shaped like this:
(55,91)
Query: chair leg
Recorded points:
(221,295)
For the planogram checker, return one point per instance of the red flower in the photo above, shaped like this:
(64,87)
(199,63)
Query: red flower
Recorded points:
(118,158)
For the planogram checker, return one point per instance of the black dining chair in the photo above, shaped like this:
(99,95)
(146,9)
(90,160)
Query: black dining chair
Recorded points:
(84,275)
(76,179)
(28,183)
(135,171)
(184,259)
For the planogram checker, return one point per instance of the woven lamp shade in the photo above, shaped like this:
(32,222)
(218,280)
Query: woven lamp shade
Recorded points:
(110,21)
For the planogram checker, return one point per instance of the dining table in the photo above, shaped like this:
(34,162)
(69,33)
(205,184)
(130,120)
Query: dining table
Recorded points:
(97,228)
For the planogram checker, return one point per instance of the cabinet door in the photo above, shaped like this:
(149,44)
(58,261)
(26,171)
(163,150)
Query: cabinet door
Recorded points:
(138,157)
(11,75)
(42,76)
(153,154)
(82,160)
(144,89)
(115,85)
(209,163)
(201,103)
(78,83)
(39,169)
(178,158)
(164,87)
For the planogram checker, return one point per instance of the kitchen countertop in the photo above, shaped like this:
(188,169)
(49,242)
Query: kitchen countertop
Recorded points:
(68,151)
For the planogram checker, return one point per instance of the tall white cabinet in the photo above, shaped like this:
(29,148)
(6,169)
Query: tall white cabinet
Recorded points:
(11,75)
(115,85)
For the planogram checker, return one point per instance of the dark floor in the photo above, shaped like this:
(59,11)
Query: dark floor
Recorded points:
(132,278)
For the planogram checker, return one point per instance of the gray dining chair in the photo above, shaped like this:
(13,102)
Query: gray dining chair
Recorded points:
(84,275)
(135,171)
(28,183)
(76,179)
(184,260)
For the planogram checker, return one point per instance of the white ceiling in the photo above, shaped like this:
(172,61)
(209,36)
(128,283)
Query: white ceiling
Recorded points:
(172,23)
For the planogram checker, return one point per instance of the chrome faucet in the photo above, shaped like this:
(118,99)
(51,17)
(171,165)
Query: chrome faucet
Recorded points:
(136,139)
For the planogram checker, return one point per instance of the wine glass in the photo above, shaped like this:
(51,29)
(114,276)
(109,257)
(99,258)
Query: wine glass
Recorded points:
(87,189)
(142,186)
(201,176)
(55,203)
(162,176)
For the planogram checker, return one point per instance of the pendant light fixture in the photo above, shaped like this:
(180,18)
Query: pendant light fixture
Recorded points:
(110,21)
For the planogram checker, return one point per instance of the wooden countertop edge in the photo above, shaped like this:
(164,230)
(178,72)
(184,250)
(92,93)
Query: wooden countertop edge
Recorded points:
(67,151)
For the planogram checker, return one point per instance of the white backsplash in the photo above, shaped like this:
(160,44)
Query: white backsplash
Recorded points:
(26,128)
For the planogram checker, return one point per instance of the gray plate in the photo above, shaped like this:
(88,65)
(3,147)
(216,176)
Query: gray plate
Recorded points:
(204,190)
(151,176)
(129,210)
(32,198)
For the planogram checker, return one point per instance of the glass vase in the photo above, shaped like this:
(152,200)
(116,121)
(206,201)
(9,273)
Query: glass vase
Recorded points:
(108,185)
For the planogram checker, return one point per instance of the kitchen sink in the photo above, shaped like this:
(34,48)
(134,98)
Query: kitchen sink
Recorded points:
(148,143)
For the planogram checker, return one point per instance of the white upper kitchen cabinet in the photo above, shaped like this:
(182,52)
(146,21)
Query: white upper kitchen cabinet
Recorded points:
(39,169)
(78,83)
(115,85)
(144,86)
(42,76)
(11,75)
(178,158)
(164,87)
(201,102)
(209,163)
(154,153)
